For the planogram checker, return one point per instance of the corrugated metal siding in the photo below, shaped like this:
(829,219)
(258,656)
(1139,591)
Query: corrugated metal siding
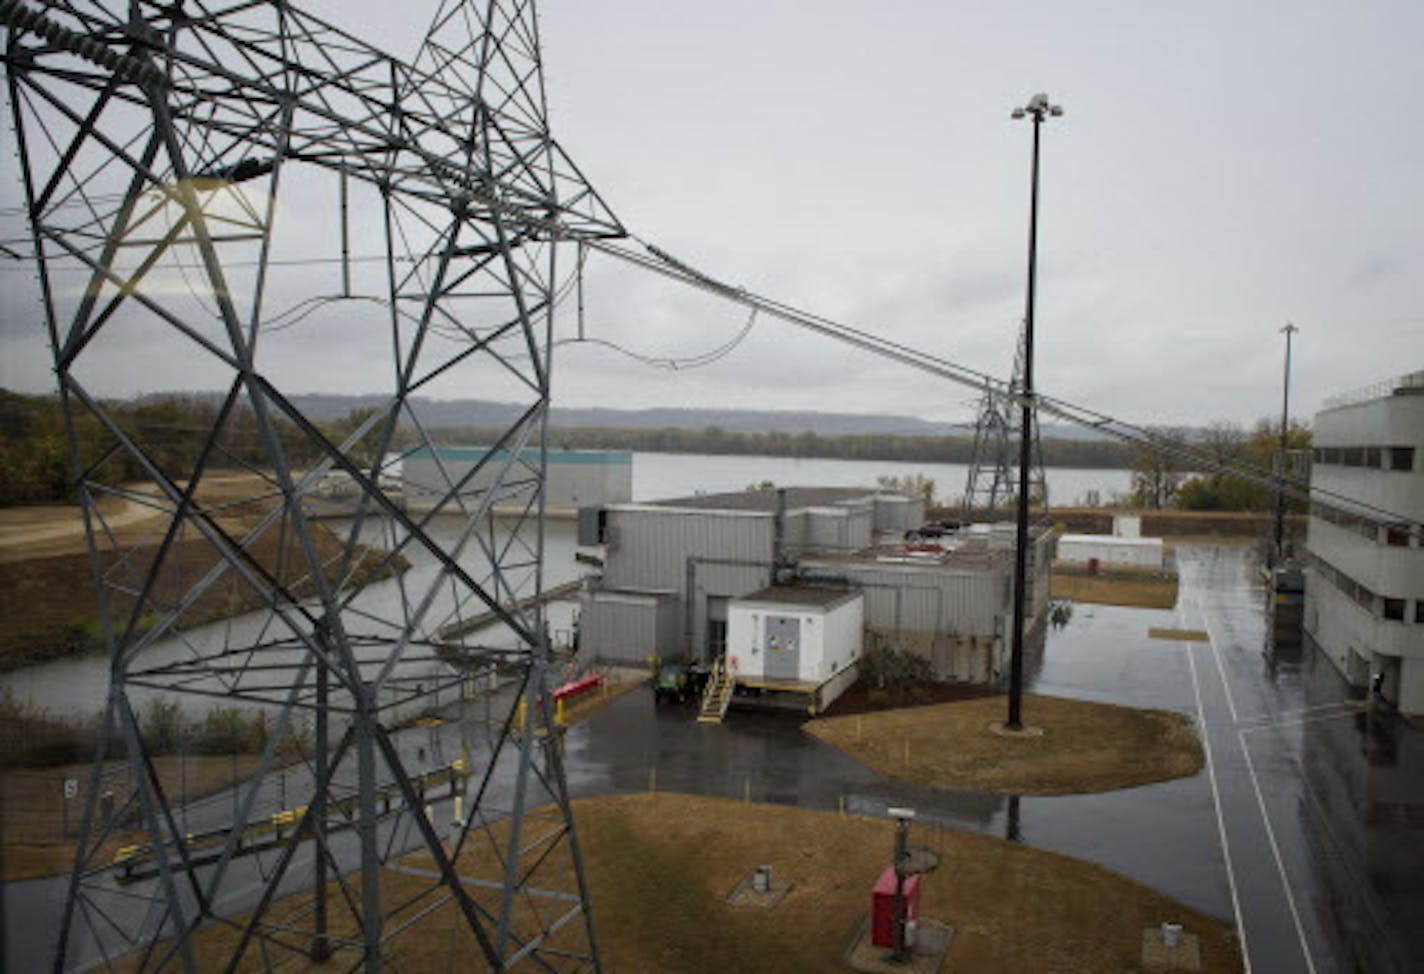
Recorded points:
(896,515)
(650,548)
(623,628)
(861,528)
(569,484)
(903,597)
(842,528)
(796,532)
(669,639)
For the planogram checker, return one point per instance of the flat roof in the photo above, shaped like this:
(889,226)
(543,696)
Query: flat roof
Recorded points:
(1410,384)
(819,595)
(1110,539)
(797,498)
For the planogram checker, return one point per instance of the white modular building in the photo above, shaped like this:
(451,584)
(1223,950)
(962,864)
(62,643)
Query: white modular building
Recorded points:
(795,633)
(574,478)
(1106,549)
(1364,587)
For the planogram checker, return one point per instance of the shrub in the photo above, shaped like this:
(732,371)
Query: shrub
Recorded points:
(31,738)
(894,671)
(161,726)
(231,730)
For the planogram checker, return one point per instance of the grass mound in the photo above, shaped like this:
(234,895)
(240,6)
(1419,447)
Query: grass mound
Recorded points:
(1084,747)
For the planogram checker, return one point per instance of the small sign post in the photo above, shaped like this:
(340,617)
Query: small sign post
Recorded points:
(71,792)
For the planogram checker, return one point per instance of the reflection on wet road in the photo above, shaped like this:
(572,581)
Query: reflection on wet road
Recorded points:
(1296,831)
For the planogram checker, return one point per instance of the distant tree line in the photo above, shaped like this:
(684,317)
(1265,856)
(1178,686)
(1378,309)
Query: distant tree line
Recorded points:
(36,464)
(715,440)
(1160,479)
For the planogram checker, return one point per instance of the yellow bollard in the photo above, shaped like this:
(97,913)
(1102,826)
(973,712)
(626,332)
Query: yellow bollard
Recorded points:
(559,712)
(519,714)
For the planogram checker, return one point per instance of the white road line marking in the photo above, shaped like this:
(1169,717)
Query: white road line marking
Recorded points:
(1220,667)
(1220,821)
(1276,851)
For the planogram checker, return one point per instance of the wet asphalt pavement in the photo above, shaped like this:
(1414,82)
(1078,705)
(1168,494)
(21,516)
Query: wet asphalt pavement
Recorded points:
(1298,832)
(1304,830)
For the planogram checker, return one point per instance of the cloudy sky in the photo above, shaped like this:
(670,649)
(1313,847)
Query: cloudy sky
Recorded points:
(1221,168)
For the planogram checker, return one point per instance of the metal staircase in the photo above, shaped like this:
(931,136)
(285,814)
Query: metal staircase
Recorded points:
(717,695)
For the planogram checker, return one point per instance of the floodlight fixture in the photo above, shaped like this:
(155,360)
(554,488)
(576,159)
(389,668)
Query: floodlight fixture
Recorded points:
(1039,107)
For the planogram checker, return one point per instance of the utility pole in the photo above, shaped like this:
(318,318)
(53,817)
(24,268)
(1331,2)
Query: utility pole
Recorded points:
(1278,552)
(1038,108)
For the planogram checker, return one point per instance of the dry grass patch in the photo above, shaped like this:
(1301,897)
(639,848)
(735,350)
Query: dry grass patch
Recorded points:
(48,608)
(1142,589)
(660,868)
(32,808)
(1084,747)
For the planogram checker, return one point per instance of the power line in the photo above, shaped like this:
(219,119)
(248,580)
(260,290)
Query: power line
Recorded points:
(660,262)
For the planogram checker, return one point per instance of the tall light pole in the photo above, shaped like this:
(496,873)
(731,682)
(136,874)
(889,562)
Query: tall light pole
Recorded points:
(1288,330)
(1038,109)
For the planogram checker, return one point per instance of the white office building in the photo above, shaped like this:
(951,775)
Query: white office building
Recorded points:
(1365,583)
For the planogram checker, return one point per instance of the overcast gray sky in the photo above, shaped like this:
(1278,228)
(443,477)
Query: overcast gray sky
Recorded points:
(1221,168)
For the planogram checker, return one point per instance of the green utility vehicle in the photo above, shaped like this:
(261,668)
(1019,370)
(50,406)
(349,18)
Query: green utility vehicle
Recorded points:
(679,681)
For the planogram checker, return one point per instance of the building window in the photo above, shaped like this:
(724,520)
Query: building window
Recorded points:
(1397,536)
(1419,611)
(1401,458)
(1353,456)
(1394,609)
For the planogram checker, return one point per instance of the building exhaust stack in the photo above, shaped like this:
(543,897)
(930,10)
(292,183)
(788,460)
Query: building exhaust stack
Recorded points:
(778,535)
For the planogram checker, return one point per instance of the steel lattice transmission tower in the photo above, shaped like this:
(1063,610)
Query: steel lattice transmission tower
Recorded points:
(184,165)
(993,470)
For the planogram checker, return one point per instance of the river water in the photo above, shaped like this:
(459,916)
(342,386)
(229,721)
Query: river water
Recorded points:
(77,687)
(661,475)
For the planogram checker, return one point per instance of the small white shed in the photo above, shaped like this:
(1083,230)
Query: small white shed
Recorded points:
(796,633)
(1108,550)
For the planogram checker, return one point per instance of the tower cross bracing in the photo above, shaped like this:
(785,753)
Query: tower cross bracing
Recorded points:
(186,166)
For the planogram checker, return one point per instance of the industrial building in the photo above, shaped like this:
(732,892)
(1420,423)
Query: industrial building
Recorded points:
(1125,547)
(576,478)
(677,573)
(1364,603)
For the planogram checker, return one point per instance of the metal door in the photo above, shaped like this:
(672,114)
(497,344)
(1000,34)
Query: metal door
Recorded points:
(783,647)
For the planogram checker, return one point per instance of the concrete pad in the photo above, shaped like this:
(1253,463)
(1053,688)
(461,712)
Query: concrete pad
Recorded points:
(746,893)
(932,940)
(1157,956)
(1003,730)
